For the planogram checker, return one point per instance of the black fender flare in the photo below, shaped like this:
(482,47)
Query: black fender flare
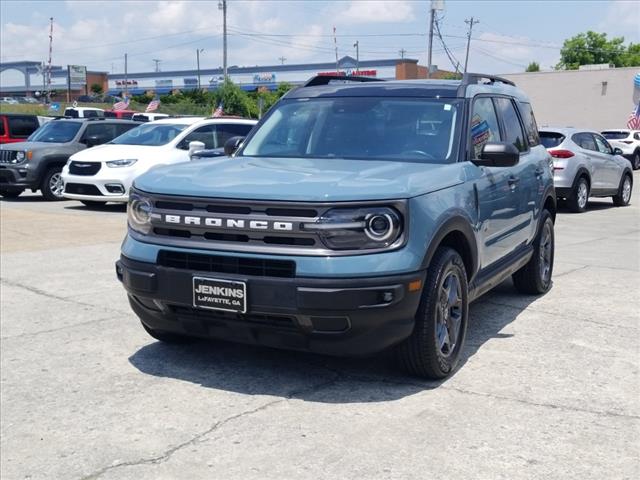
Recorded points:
(46,162)
(581,171)
(454,224)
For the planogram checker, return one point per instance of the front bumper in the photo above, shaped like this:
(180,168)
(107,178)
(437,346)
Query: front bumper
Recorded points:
(356,316)
(17,176)
(96,187)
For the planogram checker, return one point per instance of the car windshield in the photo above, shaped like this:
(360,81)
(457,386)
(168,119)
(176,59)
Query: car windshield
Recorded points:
(615,135)
(387,128)
(149,134)
(56,132)
(551,139)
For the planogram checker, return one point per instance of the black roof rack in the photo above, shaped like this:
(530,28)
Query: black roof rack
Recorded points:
(326,79)
(475,78)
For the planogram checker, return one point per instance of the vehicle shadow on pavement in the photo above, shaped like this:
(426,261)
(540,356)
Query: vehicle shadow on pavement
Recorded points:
(264,371)
(107,207)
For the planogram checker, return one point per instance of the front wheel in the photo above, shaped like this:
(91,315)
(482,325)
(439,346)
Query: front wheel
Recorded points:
(635,161)
(535,277)
(623,197)
(52,186)
(433,349)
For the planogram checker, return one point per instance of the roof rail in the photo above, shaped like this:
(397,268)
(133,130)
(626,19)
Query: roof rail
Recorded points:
(475,78)
(326,79)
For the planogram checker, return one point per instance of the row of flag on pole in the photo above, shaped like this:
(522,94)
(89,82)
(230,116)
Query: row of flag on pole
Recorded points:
(155,103)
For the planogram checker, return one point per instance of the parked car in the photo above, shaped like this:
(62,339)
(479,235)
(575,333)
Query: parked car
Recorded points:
(343,225)
(585,165)
(16,127)
(148,117)
(628,141)
(126,114)
(36,164)
(108,171)
(9,101)
(84,112)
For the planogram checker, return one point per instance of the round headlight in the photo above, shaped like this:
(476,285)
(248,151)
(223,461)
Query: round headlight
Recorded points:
(379,227)
(139,213)
(20,156)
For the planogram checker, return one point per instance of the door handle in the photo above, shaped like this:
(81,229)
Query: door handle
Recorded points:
(513,181)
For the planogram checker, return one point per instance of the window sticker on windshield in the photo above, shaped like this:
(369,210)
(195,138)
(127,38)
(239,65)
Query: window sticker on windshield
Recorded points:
(447,107)
(480,132)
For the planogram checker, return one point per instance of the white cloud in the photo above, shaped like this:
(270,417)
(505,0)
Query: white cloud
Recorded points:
(375,11)
(622,18)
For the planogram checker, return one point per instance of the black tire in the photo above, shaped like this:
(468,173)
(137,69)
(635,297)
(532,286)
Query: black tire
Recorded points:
(423,353)
(577,202)
(635,160)
(50,188)
(535,277)
(168,337)
(92,203)
(10,192)
(623,196)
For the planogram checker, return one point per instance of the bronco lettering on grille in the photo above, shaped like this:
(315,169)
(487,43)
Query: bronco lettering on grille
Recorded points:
(232,223)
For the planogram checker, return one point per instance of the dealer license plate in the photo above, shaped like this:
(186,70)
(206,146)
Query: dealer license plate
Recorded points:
(215,294)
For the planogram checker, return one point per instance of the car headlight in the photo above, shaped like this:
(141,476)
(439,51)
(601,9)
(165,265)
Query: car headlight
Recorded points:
(358,228)
(20,156)
(125,162)
(139,213)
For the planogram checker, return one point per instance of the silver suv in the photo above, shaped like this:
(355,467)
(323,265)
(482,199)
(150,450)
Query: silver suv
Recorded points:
(585,165)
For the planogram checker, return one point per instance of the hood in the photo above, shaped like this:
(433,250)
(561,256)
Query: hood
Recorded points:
(297,179)
(30,145)
(105,152)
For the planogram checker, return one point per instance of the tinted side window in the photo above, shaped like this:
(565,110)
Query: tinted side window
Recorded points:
(484,125)
(110,115)
(585,140)
(204,134)
(225,132)
(2,125)
(71,112)
(603,145)
(512,127)
(124,127)
(636,136)
(530,125)
(22,127)
(106,132)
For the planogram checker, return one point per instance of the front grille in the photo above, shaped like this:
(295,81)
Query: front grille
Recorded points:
(278,321)
(7,156)
(84,168)
(255,267)
(82,189)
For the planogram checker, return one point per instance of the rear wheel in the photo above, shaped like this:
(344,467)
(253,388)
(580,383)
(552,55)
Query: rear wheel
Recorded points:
(535,277)
(10,192)
(433,349)
(167,337)
(52,186)
(624,192)
(577,202)
(92,203)
(635,160)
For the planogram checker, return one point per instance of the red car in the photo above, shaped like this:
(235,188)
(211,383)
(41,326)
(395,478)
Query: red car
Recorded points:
(122,114)
(15,127)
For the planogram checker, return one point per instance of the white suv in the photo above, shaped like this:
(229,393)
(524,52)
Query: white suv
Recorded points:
(105,173)
(628,141)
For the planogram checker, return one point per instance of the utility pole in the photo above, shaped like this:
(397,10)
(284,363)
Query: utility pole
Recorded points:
(432,13)
(198,52)
(126,82)
(471,22)
(49,65)
(402,52)
(335,43)
(222,5)
(157,62)
(357,45)
(282,60)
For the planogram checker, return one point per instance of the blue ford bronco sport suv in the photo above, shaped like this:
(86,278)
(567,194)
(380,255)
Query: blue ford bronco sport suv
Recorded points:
(357,216)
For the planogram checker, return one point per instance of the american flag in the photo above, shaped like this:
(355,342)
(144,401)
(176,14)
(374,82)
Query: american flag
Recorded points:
(123,105)
(153,105)
(634,119)
(218,112)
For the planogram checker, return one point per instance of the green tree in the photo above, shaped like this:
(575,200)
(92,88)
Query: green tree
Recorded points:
(96,88)
(631,58)
(533,67)
(591,48)
(235,101)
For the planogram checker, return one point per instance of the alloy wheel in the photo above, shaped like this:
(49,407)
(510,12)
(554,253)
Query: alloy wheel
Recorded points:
(626,190)
(545,250)
(583,193)
(55,184)
(449,314)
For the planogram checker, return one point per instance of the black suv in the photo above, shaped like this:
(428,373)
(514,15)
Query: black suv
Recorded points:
(37,163)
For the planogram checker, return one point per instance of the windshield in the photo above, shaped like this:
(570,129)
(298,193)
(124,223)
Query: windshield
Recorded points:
(151,135)
(403,129)
(56,132)
(615,135)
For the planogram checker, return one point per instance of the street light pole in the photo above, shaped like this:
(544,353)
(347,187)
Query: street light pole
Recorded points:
(432,11)
(357,45)
(198,52)
(222,5)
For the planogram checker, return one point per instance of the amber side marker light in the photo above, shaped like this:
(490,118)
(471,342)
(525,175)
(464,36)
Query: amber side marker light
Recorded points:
(415,285)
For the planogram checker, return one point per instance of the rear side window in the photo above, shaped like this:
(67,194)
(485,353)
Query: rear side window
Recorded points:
(225,132)
(22,127)
(530,125)
(615,135)
(636,136)
(90,114)
(104,131)
(603,145)
(71,112)
(512,128)
(585,140)
(551,139)
(124,127)
(484,125)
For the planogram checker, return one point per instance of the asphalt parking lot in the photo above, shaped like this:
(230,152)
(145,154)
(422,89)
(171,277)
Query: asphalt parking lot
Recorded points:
(549,387)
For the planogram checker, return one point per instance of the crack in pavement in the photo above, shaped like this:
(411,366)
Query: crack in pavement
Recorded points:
(168,453)
(51,330)
(577,269)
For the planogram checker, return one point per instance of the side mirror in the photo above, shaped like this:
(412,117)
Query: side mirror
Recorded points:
(617,151)
(498,154)
(231,145)
(194,147)
(93,140)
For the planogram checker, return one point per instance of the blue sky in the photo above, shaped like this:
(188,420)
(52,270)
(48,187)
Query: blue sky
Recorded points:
(97,34)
